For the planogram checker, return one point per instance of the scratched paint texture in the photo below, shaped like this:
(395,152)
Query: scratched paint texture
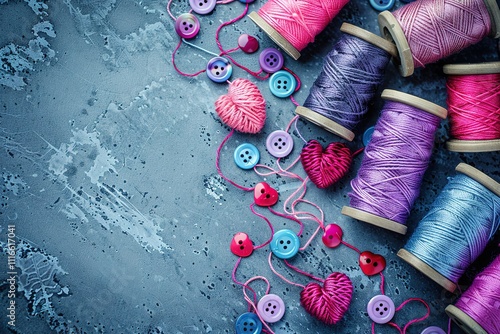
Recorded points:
(108,174)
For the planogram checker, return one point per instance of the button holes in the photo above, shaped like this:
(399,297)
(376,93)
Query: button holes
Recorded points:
(200,4)
(246,152)
(190,26)
(245,323)
(275,144)
(271,56)
(217,73)
(262,191)
(285,247)
(271,63)
(381,313)
(288,242)
(240,242)
(268,196)
(285,82)
(216,66)
(242,247)
(385,308)
(272,312)
(377,309)
(284,87)
(279,139)
(368,261)
(330,237)
(186,29)
(375,264)
(250,157)
(242,155)
(279,87)
(245,160)
(381,305)
(282,242)
(184,23)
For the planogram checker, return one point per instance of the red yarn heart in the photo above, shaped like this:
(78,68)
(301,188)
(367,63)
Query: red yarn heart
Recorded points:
(330,302)
(325,167)
(243,108)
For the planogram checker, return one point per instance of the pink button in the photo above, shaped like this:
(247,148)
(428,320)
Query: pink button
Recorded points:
(241,245)
(271,308)
(202,6)
(332,236)
(247,43)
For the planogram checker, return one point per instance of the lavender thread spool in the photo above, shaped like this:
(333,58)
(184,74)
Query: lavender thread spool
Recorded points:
(477,311)
(457,228)
(351,75)
(394,162)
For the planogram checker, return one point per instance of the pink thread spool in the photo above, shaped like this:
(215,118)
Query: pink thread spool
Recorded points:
(426,31)
(474,107)
(294,24)
(477,311)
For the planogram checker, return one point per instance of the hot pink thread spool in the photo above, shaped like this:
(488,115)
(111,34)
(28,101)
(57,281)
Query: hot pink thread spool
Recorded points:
(477,311)
(426,31)
(474,106)
(294,24)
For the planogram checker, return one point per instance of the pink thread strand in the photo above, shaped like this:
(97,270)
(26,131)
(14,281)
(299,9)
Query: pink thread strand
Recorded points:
(269,260)
(436,29)
(474,106)
(299,22)
(268,223)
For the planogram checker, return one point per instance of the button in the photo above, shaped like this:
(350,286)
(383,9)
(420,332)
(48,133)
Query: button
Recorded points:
(282,84)
(265,195)
(332,235)
(370,263)
(248,323)
(241,245)
(368,135)
(246,156)
(202,6)
(271,308)
(382,5)
(285,244)
(381,309)
(219,69)
(247,1)
(247,43)
(433,330)
(187,25)
(279,143)
(271,60)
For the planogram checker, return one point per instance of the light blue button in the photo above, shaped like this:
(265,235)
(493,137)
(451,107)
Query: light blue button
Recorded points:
(382,5)
(285,244)
(282,84)
(248,323)
(246,156)
(219,69)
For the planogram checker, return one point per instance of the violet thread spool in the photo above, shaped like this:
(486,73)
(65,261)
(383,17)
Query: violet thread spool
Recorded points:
(426,31)
(474,106)
(457,228)
(477,311)
(292,24)
(394,162)
(351,75)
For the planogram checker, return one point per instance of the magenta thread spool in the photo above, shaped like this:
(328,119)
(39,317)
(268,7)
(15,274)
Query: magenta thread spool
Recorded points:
(457,227)
(351,75)
(477,311)
(426,31)
(394,162)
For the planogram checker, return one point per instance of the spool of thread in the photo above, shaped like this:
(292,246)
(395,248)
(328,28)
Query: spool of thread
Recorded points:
(351,75)
(477,311)
(455,231)
(394,162)
(474,106)
(426,31)
(294,24)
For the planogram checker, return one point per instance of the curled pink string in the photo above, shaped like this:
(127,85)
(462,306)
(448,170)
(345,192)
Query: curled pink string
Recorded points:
(411,322)
(251,303)
(268,223)
(269,260)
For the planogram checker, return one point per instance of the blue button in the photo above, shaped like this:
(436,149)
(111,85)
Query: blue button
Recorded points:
(247,1)
(368,135)
(246,156)
(282,84)
(219,69)
(382,5)
(285,244)
(248,323)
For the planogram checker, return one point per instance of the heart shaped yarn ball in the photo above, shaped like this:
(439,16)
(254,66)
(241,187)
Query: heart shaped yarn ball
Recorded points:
(325,167)
(330,302)
(243,108)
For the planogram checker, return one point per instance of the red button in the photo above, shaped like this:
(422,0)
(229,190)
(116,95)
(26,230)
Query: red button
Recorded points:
(241,245)
(332,236)
(247,43)
(371,264)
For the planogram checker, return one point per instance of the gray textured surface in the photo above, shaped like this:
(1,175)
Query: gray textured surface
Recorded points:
(108,167)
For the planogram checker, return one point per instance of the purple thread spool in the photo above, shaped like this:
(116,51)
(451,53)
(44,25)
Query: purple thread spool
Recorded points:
(351,75)
(477,311)
(394,162)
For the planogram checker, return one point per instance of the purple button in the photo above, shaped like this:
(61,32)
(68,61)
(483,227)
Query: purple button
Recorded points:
(271,60)
(247,43)
(279,143)
(381,309)
(271,308)
(202,6)
(219,69)
(433,330)
(332,236)
(187,25)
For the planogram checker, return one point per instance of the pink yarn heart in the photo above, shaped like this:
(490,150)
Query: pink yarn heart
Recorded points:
(330,302)
(243,108)
(325,167)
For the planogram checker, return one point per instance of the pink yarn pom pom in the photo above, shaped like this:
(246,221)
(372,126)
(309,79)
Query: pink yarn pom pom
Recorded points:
(330,302)
(243,108)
